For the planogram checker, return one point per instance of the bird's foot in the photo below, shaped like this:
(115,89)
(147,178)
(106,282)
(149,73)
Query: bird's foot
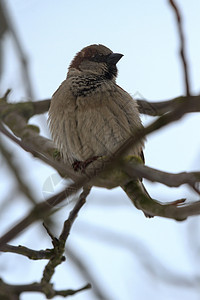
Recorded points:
(82,165)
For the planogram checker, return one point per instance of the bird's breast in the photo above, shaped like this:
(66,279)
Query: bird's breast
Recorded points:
(102,125)
(93,123)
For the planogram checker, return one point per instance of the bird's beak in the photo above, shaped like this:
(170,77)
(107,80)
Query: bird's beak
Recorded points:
(113,58)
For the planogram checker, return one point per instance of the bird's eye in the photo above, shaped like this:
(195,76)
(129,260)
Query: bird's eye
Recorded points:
(99,58)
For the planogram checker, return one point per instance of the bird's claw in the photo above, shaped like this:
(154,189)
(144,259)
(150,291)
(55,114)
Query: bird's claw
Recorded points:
(82,165)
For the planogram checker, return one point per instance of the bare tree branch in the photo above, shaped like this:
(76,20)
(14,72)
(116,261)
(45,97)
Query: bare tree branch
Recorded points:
(55,257)
(155,208)
(64,169)
(42,210)
(16,117)
(12,291)
(73,214)
(136,170)
(23,187)
(9,27)
(31,254)
(152,108)
(59,244)
(44,148)
(163,107)
(182,45)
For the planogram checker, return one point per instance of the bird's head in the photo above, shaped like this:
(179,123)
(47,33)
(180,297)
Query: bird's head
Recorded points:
(96,59)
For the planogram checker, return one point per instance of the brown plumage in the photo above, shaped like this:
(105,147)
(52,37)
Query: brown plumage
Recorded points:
(90,115)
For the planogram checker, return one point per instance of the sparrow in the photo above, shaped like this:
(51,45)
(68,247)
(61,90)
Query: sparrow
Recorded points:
(90,116)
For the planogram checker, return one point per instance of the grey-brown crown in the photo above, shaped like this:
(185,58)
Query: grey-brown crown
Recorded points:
(97,57)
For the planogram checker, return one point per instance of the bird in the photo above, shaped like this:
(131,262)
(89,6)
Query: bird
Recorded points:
(90,116)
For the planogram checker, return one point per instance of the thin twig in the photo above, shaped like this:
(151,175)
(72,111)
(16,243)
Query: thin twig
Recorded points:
(182,45)
(41,211)
(54,255)
(59,244)
(15,290)
(19,50)
(31,254)
(22,186)
(73,214)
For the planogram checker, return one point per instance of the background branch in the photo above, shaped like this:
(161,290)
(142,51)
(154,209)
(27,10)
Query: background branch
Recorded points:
(151,108)
(23,187)
(11,291)
(31,254)
(163,107)
(182,45)
(54,255)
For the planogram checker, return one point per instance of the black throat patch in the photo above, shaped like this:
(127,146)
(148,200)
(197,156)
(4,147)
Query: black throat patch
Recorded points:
(86,84)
